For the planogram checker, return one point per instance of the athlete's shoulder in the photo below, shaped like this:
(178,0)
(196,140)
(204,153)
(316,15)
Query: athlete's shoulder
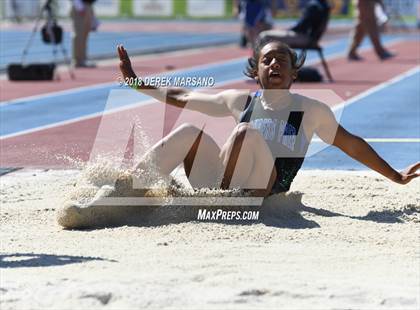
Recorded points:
(236,99)
(309,103)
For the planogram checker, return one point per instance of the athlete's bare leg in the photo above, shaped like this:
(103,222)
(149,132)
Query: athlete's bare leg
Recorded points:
(248,161)
(245,161)
(191,146)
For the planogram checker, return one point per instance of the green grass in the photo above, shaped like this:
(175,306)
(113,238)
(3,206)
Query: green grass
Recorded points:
(126,8)
(228,8)
(180,8)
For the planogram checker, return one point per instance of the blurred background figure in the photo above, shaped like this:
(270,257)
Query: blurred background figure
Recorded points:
(367,23)
(256,16)
(308,29)
(382,17)
(418,14)
(16,11)
(84,21)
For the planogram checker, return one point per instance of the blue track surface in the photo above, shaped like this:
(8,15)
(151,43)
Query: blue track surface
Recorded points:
(103,44)
(28,114)
(393,112)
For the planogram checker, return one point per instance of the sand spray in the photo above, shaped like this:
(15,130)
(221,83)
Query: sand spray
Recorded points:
(104,177)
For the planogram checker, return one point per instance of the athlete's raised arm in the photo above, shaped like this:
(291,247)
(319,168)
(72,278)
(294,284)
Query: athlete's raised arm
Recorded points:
(333,133)
(219,104)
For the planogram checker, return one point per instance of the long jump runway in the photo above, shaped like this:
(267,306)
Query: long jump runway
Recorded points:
(139,37)
(40,131)
(103,44)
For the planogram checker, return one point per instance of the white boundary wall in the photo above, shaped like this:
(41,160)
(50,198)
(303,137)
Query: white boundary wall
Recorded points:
(153,8)
(403,7)
(205,8)
(24,8)
(101,7)
(162,8)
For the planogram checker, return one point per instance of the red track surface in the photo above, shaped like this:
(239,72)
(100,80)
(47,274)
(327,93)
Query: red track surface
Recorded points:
(144,65)
(41,148)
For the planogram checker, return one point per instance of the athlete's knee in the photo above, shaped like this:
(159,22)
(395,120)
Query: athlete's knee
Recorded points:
(246,131)
(188,129)
(243,128)
(182,134)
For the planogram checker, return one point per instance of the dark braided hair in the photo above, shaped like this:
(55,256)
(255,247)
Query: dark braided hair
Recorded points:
(252,67)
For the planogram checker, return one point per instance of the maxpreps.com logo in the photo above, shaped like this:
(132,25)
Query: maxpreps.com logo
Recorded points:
(222,215)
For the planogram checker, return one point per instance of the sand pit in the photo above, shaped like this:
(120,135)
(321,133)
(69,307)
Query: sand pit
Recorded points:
(351,243)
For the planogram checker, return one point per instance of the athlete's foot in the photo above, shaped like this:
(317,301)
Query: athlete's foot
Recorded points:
(386,55)
(70,216)
(125,187)
(354,57)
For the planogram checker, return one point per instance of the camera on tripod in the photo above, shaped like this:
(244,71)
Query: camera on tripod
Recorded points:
(51,33)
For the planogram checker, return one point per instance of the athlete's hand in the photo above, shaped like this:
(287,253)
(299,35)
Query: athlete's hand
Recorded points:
(408,174)
(125,63)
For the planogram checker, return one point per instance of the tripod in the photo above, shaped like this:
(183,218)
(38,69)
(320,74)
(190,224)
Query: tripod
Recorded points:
(51,22)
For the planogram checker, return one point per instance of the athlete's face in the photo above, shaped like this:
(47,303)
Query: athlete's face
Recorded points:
(275,67)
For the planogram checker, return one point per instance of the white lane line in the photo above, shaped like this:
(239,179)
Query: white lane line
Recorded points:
(316,60)
(340,106)
(78,119)
(181,70)
(115,83)
(180,201)
(381,140)
(378,87)
(93,115)
(115,61)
